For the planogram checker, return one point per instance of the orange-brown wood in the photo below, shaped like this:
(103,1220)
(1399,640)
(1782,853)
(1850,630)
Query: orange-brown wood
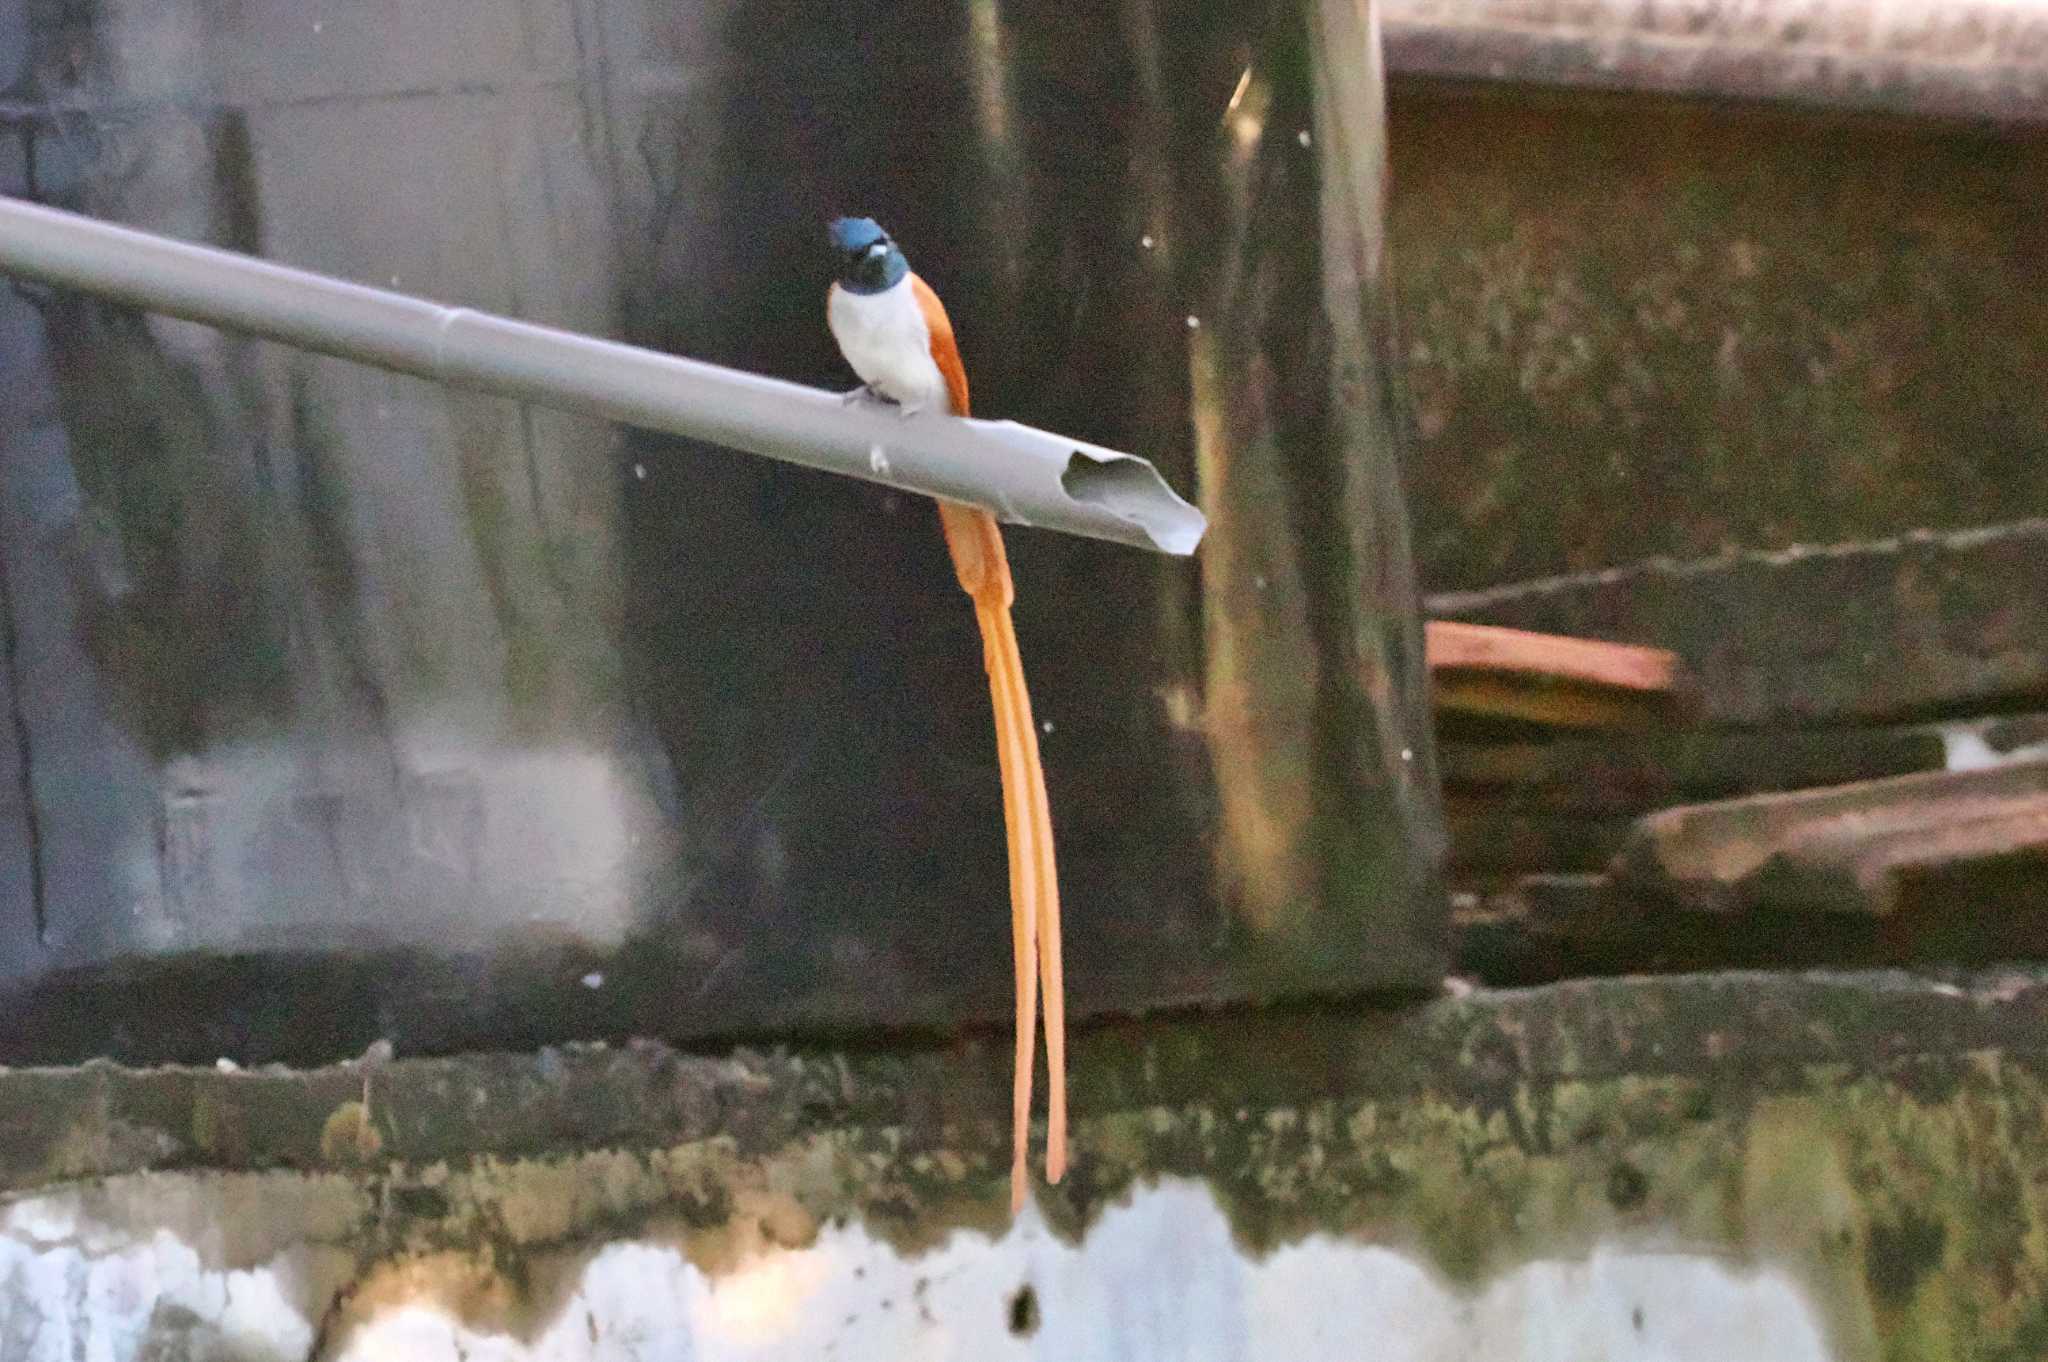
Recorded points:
(1453,645)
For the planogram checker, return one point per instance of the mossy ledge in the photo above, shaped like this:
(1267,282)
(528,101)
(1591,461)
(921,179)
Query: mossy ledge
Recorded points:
(1883,1138)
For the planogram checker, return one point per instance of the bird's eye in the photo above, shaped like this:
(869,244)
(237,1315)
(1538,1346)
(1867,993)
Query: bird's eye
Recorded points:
(879,248)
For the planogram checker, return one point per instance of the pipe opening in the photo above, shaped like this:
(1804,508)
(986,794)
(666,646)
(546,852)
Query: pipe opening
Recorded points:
(1133,491)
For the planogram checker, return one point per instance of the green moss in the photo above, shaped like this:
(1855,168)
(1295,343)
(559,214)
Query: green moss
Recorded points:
(1881,1142)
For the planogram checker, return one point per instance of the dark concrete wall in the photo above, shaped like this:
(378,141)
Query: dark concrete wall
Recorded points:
(1640,327)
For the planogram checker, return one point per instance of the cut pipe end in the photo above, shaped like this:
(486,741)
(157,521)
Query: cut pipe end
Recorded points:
(1133,491)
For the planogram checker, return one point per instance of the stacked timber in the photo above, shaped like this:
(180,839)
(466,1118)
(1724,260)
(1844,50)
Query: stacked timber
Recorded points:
(1823,756)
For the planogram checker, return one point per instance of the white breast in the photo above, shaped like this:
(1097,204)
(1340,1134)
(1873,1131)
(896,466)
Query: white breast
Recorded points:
(884,337)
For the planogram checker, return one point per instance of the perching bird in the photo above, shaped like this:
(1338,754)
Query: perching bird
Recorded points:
(895,334)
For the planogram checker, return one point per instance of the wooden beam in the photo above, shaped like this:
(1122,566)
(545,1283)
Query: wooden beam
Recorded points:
(1888,631)
(1550,679)
(1454,645)
(1853,848)
(1610,773)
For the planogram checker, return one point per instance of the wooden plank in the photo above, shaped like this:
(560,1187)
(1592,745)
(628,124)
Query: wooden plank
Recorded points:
(1453,645)
(1547,927)
(1549,679)
(1902,628)
(1847,849)
(1635,773)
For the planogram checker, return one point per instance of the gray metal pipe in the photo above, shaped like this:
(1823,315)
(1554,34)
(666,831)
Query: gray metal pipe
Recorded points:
(1026,476)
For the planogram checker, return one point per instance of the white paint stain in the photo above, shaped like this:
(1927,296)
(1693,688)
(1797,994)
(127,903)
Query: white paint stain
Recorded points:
(1157,1278)
(878,461)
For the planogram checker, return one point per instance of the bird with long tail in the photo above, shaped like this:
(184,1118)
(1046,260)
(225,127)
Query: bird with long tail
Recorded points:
(896,336)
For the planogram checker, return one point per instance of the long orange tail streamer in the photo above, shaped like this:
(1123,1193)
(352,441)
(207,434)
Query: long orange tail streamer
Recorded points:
(984,572)
(976,543)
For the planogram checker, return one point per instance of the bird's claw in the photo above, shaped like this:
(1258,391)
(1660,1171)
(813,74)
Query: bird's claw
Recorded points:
(866,396)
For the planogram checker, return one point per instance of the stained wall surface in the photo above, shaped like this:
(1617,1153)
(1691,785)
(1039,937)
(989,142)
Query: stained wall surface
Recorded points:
(1638,326)
(1713,1167)
(334,704)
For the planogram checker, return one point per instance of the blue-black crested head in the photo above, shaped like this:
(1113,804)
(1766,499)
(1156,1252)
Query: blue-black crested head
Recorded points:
(868,259)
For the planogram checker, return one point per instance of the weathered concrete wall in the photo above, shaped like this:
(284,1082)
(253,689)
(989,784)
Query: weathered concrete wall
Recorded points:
(1729,1166)
(1975,59)
(1638,327)
(1160,1278)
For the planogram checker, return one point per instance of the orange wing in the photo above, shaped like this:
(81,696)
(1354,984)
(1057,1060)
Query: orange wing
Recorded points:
(945,350)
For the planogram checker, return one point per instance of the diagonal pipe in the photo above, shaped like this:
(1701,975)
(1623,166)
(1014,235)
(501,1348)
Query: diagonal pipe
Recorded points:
(1024,475)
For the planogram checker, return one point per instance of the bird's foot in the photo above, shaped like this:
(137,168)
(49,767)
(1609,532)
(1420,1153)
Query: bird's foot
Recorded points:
(867,396)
